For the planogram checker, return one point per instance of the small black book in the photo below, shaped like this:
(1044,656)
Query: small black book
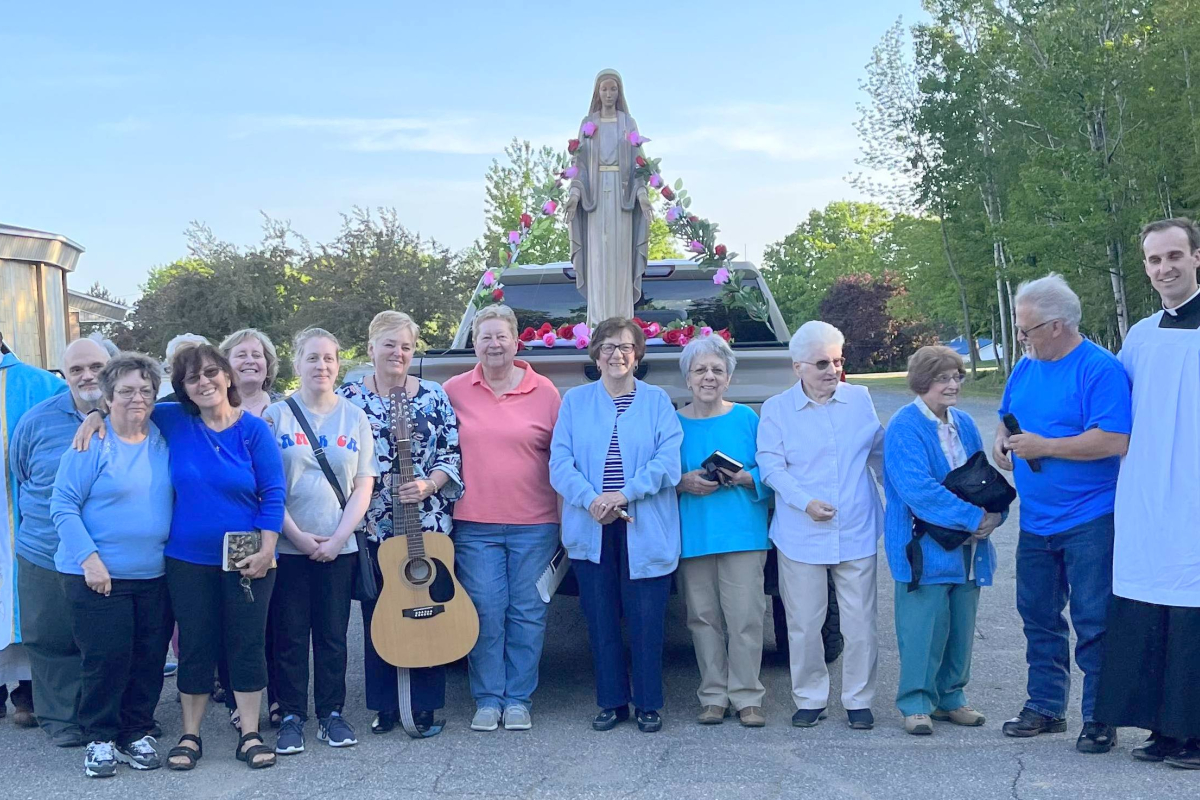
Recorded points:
(718,461)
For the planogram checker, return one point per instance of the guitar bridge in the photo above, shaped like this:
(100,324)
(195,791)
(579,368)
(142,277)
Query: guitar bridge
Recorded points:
(423,612)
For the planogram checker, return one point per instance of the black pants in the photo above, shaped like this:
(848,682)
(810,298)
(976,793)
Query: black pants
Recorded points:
(123,640)
(272,676)
(311,599)
(216,617)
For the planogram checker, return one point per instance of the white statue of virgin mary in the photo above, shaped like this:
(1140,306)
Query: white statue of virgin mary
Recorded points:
(608,209)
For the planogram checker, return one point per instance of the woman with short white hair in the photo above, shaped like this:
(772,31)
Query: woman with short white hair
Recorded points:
(506,524)
(815,443)
(255,364)
(392,341)
(723,529)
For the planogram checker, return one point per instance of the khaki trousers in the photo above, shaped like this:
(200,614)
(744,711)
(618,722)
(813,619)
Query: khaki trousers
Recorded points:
(726,606)
(805,594)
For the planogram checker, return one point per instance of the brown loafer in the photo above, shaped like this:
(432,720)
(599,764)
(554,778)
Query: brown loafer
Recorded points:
(752,717)
(712,715)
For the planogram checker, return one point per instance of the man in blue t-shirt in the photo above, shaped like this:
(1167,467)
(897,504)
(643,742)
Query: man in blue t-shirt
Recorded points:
(1072,400)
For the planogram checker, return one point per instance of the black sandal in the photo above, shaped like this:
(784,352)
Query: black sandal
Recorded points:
(179,751)
(276,715)
(259,749)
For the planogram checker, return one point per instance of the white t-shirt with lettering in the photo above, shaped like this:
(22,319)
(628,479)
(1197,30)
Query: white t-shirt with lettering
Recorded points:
(345,434)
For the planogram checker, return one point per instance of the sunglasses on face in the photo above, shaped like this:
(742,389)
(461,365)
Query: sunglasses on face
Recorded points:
(208,372)
(824,363)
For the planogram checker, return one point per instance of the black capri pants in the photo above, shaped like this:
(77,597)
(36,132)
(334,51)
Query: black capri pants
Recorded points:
(215,616)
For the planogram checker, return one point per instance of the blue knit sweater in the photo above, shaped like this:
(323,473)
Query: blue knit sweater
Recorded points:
(913,470)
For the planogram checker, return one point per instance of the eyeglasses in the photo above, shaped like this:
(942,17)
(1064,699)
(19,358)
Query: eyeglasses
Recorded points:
(208,372)
(954,377)
(127,393)
(1026,331)
(700,372)
(607,349)
(824,363)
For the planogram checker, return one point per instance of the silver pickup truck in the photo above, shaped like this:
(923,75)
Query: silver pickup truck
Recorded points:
(671,290)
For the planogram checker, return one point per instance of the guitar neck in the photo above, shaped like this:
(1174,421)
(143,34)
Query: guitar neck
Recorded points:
(406,517)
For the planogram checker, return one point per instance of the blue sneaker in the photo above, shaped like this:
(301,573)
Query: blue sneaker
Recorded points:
(291,736)
(335,731)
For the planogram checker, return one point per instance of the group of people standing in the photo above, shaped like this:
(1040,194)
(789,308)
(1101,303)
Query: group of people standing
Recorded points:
(119,538)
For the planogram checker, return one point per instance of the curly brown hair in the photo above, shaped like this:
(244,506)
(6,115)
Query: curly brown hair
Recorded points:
(612,327)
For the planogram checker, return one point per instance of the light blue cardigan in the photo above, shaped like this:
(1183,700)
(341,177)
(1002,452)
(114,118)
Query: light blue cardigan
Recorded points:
(913,470)
(650,436)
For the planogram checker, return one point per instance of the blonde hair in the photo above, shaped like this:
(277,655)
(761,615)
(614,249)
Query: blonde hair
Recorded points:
(307,335)
(387,321)
(237,337)
(494,312)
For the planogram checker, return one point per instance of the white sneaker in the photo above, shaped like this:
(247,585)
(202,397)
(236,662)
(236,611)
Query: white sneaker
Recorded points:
(487,718)
(140,754)
(516,718)
(100,760)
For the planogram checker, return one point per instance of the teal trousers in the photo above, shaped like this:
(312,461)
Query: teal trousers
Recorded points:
(935,630)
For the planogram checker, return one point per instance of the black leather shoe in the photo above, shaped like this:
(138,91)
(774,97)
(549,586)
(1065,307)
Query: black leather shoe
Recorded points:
(1186,757)
(385,722)
(1156,748)
(649,721)
(807,717)
(861,719)
(607,719)
(1096,737)
(1031,723)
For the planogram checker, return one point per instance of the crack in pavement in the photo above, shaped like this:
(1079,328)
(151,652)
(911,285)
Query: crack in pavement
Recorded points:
(1020,757)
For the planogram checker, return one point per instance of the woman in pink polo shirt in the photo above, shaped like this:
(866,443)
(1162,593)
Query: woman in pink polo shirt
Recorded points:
(506,524)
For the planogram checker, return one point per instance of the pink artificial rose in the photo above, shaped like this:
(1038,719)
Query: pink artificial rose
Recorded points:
(654,329)
(636,139)
(673,213)
(706,331)
(588,129)
(581,331)
(721,276)
(514,237)
(489,278)
(581,342)
(549,207)
(696,247)
(549,339)
(683,339)
(570,172)
(656,180)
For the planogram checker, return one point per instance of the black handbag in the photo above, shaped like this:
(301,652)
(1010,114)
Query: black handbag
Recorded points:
(976,482)
(367,577)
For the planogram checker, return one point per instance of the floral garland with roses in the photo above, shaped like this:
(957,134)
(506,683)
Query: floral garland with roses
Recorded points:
(677,332)
(699,234)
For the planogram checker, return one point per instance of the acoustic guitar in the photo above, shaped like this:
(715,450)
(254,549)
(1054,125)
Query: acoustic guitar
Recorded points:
(423,617)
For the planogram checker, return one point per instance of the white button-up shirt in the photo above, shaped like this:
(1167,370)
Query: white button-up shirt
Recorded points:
(808,451)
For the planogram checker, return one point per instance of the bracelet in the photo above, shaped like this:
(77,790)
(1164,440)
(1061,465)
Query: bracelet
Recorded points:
(93,411)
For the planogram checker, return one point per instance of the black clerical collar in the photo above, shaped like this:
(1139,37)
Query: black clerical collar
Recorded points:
(1185,315)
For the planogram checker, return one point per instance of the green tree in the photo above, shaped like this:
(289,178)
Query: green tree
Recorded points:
(510,190)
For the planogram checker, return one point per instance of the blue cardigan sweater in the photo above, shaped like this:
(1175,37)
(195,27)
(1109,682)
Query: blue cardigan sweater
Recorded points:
(913,470)
(650,436)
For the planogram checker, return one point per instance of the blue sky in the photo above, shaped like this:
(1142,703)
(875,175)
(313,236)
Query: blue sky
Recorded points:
(126,121)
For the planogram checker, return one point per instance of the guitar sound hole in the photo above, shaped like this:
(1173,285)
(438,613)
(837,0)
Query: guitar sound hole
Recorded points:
(418,571)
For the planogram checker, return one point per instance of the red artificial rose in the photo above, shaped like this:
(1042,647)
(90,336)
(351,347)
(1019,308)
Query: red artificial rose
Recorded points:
(546,328)
(528,335)
(641,323)
(693,218)
(526,221)
(641,162)
(667,193)
(720,251)
(572,146)
(690,331)
(565,331)
(521,344)
(498,295)
(724,334)
(672,336)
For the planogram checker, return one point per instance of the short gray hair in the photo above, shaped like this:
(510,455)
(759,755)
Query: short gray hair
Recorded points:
(122,364)
(814,333)
(173,347)
(1051,298)
(105,343)
(494,312)
(711,345)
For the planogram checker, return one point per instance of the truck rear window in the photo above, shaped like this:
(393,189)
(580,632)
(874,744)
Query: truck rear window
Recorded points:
(663,301)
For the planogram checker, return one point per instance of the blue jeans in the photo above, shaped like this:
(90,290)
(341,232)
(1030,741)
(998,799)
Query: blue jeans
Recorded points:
(1077,565)
(499,566)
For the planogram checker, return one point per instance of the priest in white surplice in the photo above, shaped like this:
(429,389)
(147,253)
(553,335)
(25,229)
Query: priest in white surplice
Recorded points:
(1152,653)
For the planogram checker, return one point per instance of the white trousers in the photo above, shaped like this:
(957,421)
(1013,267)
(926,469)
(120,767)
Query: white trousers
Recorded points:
(805,592)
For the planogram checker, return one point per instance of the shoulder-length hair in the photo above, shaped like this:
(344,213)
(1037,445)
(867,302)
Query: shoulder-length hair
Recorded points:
(270,355)
(189,361)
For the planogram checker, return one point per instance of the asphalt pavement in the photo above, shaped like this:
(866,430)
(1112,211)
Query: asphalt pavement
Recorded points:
(562,758)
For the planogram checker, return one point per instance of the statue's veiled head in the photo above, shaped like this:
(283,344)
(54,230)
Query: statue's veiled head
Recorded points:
(607,89)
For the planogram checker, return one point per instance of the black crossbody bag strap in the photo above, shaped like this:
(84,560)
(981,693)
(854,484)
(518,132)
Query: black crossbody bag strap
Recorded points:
(318,451)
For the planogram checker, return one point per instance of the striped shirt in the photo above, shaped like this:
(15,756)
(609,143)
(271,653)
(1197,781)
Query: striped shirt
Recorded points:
(614,474)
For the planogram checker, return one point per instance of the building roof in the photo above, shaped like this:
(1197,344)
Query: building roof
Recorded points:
(94,309)
(41,247)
